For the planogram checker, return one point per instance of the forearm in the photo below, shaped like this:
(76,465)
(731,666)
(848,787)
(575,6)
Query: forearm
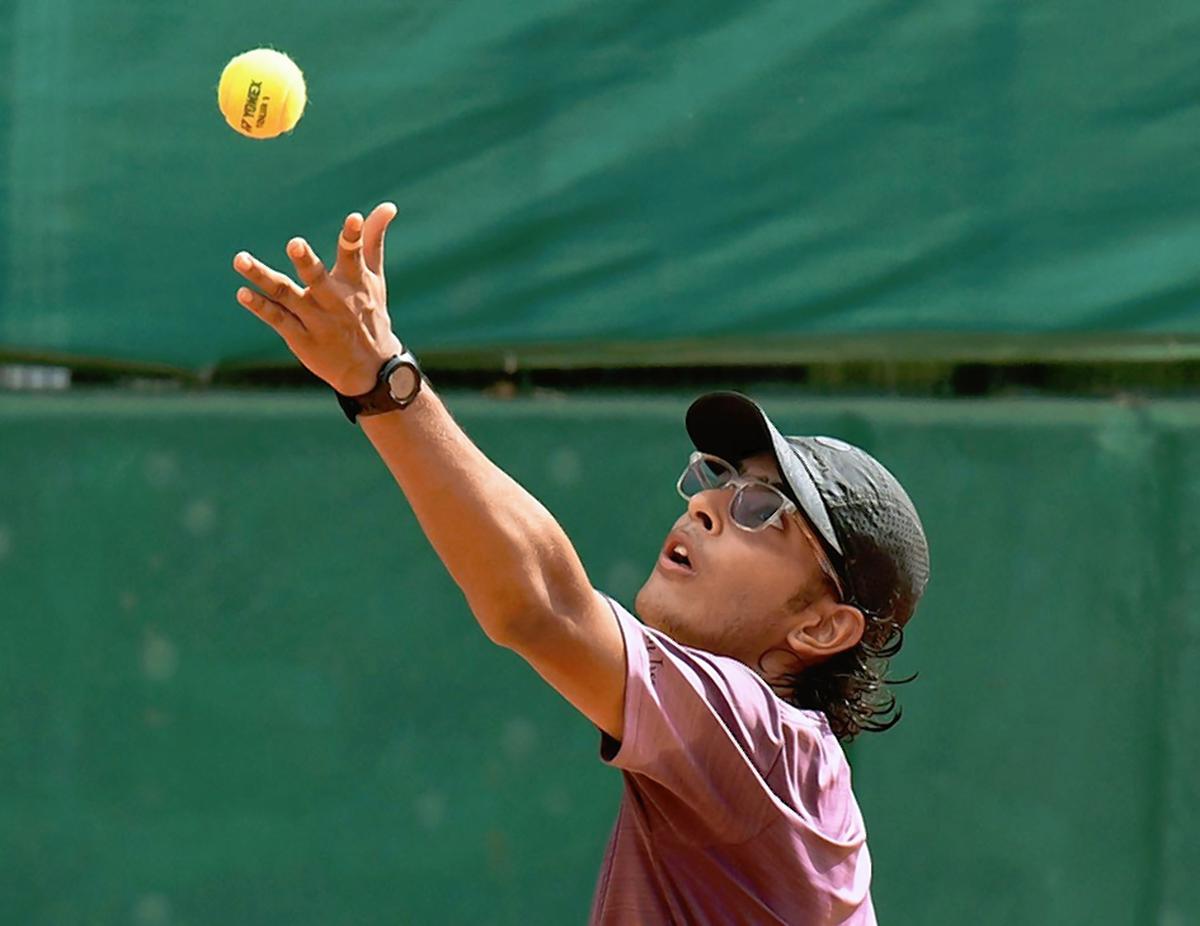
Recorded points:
(512,560)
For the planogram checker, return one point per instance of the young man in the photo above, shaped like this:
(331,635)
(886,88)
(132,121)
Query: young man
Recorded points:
(777,597)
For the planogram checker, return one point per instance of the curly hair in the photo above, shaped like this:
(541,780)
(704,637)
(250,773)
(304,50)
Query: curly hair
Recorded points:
(850,687)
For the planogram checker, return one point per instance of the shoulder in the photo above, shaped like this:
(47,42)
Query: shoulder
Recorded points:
(708,729)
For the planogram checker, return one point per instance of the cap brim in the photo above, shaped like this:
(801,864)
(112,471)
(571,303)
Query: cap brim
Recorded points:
(733,426)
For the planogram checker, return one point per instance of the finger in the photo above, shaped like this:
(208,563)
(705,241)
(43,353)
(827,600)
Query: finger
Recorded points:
(312,272)
(277,316)
(278,287)
(308,266)
(349,264)
(374,230)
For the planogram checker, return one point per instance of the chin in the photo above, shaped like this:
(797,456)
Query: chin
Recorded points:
(643,602)
(657,608)
(650,607)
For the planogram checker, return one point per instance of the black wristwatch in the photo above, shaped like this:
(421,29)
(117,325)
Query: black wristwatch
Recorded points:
(396,386)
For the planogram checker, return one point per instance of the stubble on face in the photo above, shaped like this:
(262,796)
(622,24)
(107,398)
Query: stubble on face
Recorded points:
(653,611)
(724,625)
(656,610)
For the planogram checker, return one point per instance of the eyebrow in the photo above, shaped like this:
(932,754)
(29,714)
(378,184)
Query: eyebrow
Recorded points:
(777,483)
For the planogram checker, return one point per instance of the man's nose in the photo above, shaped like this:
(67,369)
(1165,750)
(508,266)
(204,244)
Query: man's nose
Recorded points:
(707,508)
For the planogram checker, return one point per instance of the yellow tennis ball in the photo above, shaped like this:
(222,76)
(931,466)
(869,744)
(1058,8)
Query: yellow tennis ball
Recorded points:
(262,93)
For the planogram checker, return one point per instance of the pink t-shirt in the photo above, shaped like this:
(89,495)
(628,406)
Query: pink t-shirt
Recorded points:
(737,806)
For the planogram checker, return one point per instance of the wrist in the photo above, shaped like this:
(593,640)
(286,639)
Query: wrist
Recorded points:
(364,375)
(396,385)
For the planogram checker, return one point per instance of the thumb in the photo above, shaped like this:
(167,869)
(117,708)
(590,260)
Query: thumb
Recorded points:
(374,229)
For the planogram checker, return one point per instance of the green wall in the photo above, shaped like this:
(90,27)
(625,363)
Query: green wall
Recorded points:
(238,687)
(605,179)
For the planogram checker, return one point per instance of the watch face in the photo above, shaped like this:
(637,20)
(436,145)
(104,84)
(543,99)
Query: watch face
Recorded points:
(402,384)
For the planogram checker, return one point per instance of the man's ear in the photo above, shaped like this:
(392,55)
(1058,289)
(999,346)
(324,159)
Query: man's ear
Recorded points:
(824,632)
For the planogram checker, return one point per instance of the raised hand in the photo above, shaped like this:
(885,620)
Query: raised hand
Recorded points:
(337,325)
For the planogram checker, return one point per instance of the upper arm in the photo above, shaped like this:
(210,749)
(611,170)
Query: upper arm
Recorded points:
(582,655)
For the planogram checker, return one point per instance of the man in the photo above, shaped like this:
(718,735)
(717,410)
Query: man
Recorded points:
(778,593)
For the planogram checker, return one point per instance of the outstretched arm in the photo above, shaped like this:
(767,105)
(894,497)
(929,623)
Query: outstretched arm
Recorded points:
(516,566)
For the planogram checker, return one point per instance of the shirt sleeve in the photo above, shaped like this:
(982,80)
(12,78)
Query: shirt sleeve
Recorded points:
(704,728)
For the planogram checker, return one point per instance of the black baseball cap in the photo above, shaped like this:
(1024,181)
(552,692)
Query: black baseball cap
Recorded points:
(862,515)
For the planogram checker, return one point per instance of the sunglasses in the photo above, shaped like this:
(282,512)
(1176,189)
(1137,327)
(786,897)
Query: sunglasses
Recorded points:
(755,505)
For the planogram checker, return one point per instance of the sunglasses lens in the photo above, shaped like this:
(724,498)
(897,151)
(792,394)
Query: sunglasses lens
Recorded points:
(753,506)
(704,474)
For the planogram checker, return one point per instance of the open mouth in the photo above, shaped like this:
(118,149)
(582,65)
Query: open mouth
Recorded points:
(675,557)
(678,554)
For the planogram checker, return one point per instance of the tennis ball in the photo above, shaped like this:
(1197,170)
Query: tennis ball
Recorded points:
(261,93)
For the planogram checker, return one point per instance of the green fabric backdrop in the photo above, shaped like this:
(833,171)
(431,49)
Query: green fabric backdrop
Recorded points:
(237,686)
(617,181)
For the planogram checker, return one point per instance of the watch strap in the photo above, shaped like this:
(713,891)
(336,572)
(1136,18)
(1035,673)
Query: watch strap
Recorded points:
(380,399)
